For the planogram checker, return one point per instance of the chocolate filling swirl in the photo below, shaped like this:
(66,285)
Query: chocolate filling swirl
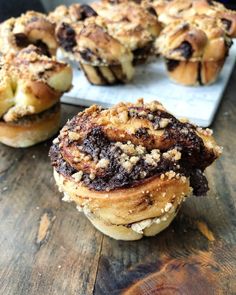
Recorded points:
(177,136)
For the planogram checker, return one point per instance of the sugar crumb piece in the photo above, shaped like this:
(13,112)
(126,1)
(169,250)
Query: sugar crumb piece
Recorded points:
(103,163)
(92,176)
(77,176)
(168,206)
(56,140)
(73,135)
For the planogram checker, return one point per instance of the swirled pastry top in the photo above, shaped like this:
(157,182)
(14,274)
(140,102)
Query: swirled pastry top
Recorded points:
(73,13)
(123,146)
(201,38)
(96,47)
(30,83)
(30,28)
(169,11)
(128,22)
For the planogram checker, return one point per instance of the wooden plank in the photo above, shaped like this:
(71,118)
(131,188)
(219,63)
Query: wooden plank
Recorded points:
(45,246)
(197,253)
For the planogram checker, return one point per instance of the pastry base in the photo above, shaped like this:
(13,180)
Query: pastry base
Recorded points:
(192,73)
(122,232)
(30,132)
(104,75)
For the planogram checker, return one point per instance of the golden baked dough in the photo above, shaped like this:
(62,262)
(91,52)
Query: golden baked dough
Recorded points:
(169,11)
(103,58)
(132,25)
(190,49)
(30,28)
(30,83)
(130,164)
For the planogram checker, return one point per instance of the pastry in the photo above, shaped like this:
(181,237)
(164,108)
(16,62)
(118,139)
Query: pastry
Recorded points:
(130,167)
(31,85)
(133,26)
(30,28)
(194,50)
(169,11)
(69,23)
(103,59)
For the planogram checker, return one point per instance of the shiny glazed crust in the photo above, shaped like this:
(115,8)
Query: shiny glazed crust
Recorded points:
(125,165)
(28,133)
(30,28)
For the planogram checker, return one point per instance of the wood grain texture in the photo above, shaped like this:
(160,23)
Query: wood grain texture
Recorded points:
(48,248)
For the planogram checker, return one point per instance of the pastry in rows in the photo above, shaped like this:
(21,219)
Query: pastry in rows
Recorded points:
(130,167)
(194,50)
(133,26)
(30,28)
(31,85)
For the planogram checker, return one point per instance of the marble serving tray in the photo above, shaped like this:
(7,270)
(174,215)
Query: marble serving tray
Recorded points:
(199,104)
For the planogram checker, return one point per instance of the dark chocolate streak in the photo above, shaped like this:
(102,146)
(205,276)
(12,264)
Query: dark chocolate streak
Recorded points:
(172,64)
(199,73)
(185,49)
(182,136)
(21,40)
(87,11)
(66,37)
(227,23)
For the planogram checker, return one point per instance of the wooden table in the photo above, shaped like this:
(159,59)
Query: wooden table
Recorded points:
(46,247)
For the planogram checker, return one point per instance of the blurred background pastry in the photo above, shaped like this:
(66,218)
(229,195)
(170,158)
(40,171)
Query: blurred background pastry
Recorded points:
(30,28)
(130,167)
(133,26)
(194,51)
(30,89)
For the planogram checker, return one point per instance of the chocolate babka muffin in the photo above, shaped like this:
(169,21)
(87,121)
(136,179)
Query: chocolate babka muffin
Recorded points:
(69,22)
(30,28)
(169,11)
(194,50)
(130,167)
(135,27)
(31,85)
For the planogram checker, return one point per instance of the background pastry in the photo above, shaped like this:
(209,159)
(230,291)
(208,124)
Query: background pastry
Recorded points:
(129,168)
(30,28)
(132,25)
(195,51)
(69,22)
(169,11)
(30,89)
(103,58)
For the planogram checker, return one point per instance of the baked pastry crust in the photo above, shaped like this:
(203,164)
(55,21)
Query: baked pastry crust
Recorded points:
(169,11)
(30,83)
(30,28)
(128,164)
(190,49)
(30,129)
(132,25)
(103,58)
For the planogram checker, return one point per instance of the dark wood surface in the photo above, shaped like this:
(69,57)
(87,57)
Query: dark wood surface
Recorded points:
(46,247)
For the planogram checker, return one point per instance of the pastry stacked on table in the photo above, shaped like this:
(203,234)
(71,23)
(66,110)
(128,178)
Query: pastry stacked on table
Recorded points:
(130,167)
(108,38)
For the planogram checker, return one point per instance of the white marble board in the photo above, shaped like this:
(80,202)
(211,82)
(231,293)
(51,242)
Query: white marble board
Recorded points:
(199,104)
